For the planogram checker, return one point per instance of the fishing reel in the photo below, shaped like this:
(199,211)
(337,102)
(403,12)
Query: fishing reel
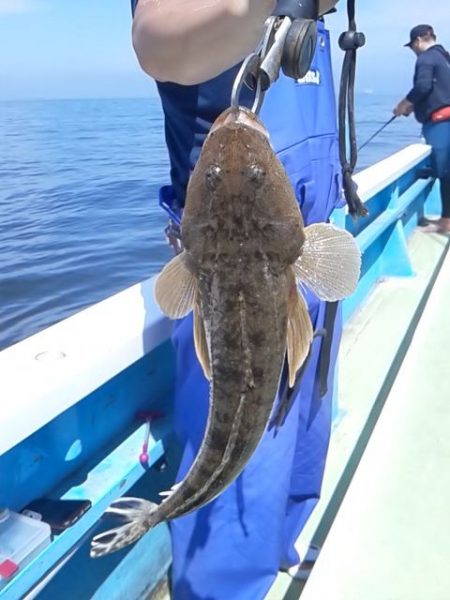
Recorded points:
(288,44)
(300,43)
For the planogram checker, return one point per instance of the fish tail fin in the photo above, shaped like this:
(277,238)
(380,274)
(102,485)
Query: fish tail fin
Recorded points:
(330,262)
(139,517)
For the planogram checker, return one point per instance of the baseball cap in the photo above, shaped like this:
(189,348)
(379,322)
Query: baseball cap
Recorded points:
(419,31)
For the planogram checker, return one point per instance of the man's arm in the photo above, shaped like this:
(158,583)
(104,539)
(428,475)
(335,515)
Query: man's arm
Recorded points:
(190,41)
(423,82)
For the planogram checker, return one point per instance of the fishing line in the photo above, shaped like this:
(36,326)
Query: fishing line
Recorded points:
(377,132)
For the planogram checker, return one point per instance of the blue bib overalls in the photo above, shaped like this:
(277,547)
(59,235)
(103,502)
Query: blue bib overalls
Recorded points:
(233,548)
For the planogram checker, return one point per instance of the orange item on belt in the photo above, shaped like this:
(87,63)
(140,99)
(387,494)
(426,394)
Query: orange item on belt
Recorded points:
(443,114)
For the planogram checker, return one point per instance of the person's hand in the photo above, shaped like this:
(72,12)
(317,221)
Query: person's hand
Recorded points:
(404,108)
(189,42)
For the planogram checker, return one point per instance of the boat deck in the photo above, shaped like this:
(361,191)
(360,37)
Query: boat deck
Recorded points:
(383,520)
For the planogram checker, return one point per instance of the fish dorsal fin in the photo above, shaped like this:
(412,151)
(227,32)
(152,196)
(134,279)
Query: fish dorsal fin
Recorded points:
(330,262)
(201,344)
(176,288)
(299,332)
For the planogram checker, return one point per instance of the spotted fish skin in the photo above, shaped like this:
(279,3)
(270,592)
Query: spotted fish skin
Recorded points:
(242,230)
(245,248)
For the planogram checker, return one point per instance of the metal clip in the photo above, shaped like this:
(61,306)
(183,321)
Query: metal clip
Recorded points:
(287,45)
(271,61)
(261,68)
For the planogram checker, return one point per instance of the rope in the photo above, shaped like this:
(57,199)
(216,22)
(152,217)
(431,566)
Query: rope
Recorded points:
(349,42)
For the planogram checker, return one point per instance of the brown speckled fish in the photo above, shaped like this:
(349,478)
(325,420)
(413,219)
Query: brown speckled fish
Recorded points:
(245,250)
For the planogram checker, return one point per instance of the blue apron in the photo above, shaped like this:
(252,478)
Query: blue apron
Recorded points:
(234,547)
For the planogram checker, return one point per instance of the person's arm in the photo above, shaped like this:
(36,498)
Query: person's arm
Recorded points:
(423,82)
(190,41)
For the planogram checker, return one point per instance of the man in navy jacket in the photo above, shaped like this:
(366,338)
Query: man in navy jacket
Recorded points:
(430,101)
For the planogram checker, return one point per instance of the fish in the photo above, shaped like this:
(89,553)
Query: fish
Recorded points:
(246,250)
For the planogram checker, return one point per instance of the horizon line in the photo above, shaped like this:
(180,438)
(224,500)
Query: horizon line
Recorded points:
(77,98)
(154,96)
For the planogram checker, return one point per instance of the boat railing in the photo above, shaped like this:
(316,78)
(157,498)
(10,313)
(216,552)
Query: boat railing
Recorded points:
(397,191)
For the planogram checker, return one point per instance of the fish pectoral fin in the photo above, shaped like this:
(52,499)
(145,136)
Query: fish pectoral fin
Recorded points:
(136,513)
(201,344)
(330,263)
(176,288)
(299,333)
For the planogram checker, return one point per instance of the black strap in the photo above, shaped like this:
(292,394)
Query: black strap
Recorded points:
(325,351)
(288,394)
(349,42)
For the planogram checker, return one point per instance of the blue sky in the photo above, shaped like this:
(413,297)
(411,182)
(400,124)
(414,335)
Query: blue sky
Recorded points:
(82,48)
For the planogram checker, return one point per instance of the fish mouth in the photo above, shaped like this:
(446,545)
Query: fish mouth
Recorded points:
(239,116)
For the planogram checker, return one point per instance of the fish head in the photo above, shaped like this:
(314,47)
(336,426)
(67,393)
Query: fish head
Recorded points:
(239,193)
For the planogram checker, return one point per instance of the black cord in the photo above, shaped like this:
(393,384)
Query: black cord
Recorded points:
(349,42)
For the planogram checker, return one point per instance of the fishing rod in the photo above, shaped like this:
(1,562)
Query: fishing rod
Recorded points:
(377,132)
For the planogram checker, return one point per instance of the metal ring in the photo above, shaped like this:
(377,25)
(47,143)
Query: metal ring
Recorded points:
(250,66)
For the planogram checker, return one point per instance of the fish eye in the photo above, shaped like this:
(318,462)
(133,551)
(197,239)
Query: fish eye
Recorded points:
(213,176)
(256,173)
